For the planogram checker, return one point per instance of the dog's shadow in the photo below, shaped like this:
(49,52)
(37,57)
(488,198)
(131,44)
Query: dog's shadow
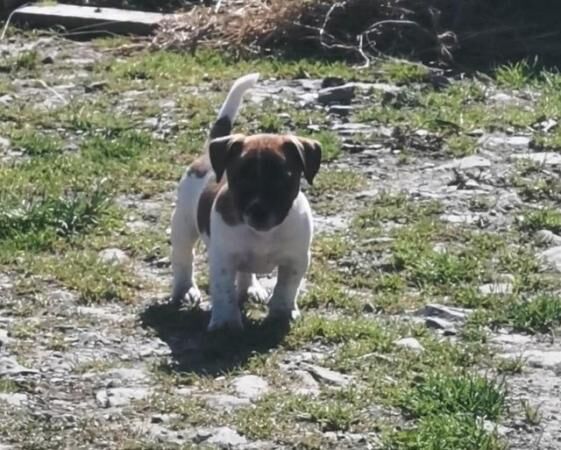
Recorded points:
(194,350)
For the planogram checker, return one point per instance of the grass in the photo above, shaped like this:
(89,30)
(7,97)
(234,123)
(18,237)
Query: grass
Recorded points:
(90,168)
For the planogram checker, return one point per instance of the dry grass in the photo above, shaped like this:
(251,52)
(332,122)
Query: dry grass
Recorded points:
(360,29)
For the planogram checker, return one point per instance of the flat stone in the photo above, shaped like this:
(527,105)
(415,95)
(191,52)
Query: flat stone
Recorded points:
(120,396)
(548,238)
(410,343)
(469,162)
(113,256)
(337,94)
(497,141)
(86,17)
(496,289)
(226,437)
(353,128)
(445,312)
(4,143)
(4,338)
(517,340)
(544,158)
(306,384)
(10,367)
(251,387)
(543,359)
(120,376)
(95,86)
(13,399)
(460,218)
(225,402)
(327,375)
(552,258)
(440,324)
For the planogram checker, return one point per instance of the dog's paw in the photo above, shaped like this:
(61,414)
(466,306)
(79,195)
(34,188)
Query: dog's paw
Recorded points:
(232,322)
(257,292)
(190,296)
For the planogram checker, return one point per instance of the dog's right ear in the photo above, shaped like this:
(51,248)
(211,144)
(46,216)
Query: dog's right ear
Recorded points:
(224,150)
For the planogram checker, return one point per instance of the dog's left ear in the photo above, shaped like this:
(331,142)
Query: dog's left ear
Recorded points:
(309,153)
(222,151)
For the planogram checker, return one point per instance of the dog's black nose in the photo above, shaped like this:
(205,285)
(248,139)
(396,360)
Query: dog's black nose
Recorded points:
(257,212)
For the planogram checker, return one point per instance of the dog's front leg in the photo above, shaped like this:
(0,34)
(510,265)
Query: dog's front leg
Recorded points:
(283,303)
(225,307)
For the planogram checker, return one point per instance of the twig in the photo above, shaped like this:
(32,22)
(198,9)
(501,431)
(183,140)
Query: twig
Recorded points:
(50,89)
(7,24)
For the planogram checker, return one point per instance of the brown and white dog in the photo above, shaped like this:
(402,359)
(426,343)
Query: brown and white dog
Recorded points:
(243,198)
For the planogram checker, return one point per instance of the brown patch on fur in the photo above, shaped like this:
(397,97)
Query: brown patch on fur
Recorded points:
(224,206)
(200,167)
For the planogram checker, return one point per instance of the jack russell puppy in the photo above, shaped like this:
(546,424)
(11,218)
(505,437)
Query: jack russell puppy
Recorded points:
(243,198)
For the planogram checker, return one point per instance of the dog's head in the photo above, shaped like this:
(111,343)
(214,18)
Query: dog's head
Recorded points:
(263,173)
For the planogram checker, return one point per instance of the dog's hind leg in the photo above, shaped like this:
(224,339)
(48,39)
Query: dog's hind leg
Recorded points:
(184,236)
(247,286)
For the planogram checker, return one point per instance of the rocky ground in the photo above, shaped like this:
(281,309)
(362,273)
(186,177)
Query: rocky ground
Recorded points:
(430,310)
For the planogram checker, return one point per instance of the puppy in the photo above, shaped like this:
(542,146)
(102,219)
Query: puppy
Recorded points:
(243,198)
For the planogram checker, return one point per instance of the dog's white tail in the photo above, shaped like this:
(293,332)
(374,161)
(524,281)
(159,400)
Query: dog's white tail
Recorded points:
(233,100)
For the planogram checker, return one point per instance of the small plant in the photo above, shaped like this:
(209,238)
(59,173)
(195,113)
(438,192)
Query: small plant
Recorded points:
(516,75)
(543,219)
(510,365)
(539,315)
(37,144)
(404,72)
(532,414)
(467,394)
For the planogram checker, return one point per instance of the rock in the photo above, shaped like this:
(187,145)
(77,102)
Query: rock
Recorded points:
(4,338)
(337,94)
(6,100)
(95,86)
(508,201)
(152,122)
(13,399)
(306,384)
(122,376)
(49,59)
(543,359)
(10,367)
(492,427)
(137,225)
(445,312)
(327,375)
(504,98)
(352,128)
(225,402)
(543,158)
(498,141)
(546,237)
(251,387)
(469,162)
(329,82)
(225,437)
(460,218)
(552,258)
(496,289)
(113,256)
(4,143)
(516,340)
(410,343)
(121,396)
(341,110)
(440,324)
